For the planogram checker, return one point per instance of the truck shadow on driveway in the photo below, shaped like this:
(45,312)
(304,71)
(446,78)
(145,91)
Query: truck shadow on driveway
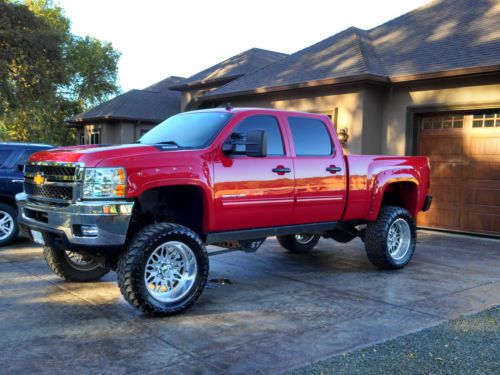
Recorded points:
(279,311)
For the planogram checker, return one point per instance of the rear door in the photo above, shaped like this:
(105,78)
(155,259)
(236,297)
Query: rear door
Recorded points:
(320,171)
(255,192)
(6,156)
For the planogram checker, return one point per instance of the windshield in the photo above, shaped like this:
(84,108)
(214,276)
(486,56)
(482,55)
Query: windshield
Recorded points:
(187,130)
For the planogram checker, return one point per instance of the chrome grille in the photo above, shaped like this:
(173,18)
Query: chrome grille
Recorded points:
(49,191)
(60,181)
(50,170)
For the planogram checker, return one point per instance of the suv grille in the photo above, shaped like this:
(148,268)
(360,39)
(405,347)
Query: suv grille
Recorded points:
(48,191)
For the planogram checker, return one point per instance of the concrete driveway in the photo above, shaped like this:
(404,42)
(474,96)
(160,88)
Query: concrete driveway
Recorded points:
(276,310)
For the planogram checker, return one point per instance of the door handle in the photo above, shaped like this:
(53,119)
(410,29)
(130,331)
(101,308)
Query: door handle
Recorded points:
(281,170)
(17,180)
(333,169)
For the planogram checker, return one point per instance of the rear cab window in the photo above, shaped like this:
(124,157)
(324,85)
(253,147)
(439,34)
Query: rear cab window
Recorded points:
(270,125)
(310,136)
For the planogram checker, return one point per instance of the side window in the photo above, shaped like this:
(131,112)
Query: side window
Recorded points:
(25,156)
(272,128)
(310,136)
(4,155)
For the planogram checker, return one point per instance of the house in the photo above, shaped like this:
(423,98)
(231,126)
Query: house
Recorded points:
(195,87)
(126,117)
(425,83)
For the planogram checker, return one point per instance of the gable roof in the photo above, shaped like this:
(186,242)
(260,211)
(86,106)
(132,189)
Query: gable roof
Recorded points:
(231,68)
(445,36)
(152,104)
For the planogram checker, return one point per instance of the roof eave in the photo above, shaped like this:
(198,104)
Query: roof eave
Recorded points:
(87,120)
(446,74)
(310,84)
(205,83)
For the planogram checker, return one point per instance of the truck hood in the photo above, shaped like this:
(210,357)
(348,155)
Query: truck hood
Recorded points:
(92,155)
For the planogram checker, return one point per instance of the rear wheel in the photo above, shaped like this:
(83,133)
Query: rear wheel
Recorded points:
(73,266)
(8,224)
(164,269)
(299,243)
(390,240)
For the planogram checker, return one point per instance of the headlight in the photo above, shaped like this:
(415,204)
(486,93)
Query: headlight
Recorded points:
(104,183)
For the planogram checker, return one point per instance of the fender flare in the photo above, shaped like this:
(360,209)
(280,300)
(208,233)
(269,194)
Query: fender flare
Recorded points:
(206,195)
(386,178)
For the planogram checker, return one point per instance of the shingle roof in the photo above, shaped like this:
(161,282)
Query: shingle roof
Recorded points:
(445,35)
(234,67)
(152,104)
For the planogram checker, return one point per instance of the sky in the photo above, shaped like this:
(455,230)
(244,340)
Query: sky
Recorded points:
(160,38)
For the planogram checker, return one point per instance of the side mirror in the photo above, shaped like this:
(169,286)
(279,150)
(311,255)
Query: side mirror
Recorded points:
(20,167)
(253,144)
(256,143)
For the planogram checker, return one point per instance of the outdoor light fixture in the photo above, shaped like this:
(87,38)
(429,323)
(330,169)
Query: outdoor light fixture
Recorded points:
(343,136)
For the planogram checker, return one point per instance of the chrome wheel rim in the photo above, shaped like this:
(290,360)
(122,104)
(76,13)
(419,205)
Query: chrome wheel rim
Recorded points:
(80,262)
(399,239)
(6,225)
(304,238)
(170,271)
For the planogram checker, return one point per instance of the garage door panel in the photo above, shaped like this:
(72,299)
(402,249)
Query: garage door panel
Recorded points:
(485,146)
(485,171)
(483,222)
(465,172)
(442,169)
(441,218)
(448,193)
(446,146)
(483,197)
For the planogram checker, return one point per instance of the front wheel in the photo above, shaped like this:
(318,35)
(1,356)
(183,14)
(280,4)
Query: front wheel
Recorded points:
(8,224)
(164,269)
(390,240)
(299,243)
(72,266)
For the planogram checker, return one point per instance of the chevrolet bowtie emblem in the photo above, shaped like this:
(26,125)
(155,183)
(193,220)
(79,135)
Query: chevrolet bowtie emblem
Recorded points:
(39,179)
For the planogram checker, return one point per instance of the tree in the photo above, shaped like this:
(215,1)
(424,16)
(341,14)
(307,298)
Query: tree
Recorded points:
(47,74)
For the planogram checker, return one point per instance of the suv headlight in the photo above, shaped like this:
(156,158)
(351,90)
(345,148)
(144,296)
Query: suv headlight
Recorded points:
(104,183)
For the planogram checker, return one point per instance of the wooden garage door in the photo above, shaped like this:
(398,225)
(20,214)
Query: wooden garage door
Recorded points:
(464,152)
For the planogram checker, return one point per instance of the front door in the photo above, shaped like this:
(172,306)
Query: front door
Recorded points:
(255,192)
(320,171)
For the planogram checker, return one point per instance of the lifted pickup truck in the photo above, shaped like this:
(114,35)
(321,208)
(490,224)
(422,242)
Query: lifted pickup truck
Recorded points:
(226,177)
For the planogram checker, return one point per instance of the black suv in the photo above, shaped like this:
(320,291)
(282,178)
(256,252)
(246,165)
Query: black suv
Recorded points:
(12,159)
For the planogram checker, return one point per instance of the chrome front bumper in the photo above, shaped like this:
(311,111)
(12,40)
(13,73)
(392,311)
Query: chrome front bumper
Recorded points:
(111,218)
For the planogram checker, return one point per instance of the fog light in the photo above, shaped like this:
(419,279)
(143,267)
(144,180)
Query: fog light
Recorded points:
(89,230)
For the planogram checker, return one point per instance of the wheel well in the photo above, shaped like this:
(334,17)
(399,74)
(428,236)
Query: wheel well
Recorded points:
(176,204)
(401,194)
(8,200)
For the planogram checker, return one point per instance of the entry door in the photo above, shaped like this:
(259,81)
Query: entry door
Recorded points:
(255,192)
(320,172)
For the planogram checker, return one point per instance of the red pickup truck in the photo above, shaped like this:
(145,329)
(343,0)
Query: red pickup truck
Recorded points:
(225,177)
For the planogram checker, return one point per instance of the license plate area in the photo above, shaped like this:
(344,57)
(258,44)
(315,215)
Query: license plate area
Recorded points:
(37,237)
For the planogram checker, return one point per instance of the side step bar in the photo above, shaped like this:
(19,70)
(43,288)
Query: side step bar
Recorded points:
(250,234)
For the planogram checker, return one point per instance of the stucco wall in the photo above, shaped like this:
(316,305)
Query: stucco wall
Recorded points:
(347,103)
(397,101)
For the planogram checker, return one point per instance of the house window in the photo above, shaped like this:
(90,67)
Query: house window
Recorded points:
(443,122)
(486,120)
(81,138)
(94,136)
